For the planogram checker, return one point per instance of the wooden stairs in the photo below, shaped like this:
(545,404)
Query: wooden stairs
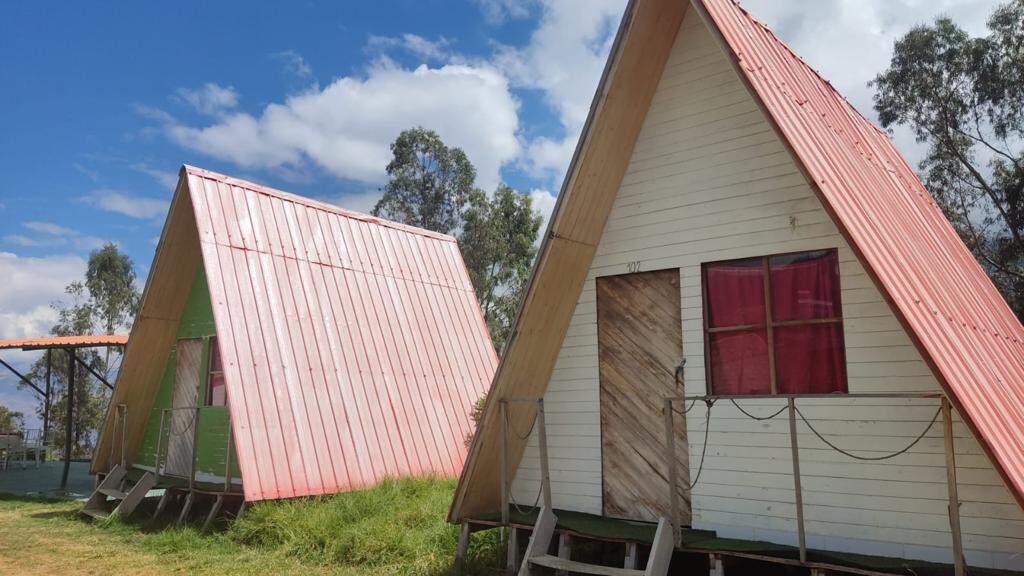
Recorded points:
(540,542)
(116,486)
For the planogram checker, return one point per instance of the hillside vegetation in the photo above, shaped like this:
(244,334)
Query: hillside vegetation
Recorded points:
(395,528)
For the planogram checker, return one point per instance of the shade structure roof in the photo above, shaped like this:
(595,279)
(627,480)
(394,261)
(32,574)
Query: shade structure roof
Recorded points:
(86,341)
(353,347)
(959,322)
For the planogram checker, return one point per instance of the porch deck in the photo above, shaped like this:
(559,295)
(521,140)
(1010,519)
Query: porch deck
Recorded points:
(706,542)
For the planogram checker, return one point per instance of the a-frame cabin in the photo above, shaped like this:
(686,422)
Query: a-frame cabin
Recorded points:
(734,237)
(287,347)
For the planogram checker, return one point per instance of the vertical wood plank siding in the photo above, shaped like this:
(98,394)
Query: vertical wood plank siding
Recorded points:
(709,180)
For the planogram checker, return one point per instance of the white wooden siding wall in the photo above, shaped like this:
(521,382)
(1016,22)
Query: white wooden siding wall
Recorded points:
(708,181)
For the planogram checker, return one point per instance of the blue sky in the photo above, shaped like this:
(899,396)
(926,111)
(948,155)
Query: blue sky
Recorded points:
(104,102)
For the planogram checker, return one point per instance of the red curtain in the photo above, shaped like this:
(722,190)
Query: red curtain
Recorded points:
(808,358)
(735,297)
(739,362)
(735,293)
(805,286)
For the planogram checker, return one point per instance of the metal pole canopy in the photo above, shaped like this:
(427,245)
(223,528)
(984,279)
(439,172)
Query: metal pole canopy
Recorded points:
(46,400)
(68,424)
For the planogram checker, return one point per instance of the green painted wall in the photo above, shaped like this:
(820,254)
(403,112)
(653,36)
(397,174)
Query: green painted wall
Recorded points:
(196,322)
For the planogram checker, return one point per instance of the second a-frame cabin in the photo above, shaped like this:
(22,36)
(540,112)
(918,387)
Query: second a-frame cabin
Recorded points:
(750,320)
(287,347)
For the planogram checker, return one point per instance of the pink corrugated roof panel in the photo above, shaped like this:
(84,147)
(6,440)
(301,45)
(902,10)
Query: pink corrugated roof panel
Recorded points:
(354,347)
(86,341)
(960,322)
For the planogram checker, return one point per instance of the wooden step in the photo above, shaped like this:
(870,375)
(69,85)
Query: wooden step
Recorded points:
(575,567)
(97,513)
(113,493)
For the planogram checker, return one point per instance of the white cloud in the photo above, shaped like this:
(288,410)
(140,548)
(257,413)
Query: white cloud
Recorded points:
(210,98)
(49,228)
(563,60)
(133,206)
(28,242)
(346,128)
(30,285)
(53,235)
(166,178)
(294,63)
(428,50)
(851,41)
(543,202)
(497,11)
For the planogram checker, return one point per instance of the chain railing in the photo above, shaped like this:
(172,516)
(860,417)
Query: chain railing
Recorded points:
(944,410)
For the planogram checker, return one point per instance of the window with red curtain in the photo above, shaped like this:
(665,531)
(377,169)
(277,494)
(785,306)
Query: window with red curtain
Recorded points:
(216,393)
(774,325)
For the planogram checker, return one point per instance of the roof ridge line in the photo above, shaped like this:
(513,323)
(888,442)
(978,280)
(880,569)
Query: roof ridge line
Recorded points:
(313,203)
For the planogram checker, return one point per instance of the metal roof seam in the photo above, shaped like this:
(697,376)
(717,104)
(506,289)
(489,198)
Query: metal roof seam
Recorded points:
(310,202)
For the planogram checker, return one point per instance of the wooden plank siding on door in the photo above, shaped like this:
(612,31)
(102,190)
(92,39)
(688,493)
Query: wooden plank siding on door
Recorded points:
(181,436)
(639,346)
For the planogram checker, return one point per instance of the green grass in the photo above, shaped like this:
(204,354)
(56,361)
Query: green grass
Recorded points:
(395,528)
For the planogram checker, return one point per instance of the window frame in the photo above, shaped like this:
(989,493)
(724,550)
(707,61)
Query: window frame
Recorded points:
(769,324)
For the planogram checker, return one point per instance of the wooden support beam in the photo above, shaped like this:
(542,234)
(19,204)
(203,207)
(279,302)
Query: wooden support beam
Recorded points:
(462,549)
(959,565)
(564,550)
(715,566)
(162,504)
(512,555)
(213,513)
(189,499)
(630,562)
(796,480)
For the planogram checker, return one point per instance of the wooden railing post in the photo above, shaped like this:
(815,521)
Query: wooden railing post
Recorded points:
(542,438)
(959,566)
(796,480)
(159,445)
(673,480)
(195,444)
(503,456)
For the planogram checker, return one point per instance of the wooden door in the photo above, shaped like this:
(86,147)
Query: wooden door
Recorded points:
(640,344)
(182,420)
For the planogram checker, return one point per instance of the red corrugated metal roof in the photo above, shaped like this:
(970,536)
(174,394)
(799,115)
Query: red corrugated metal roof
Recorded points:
(65,341)
(354,347)
(960,322)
